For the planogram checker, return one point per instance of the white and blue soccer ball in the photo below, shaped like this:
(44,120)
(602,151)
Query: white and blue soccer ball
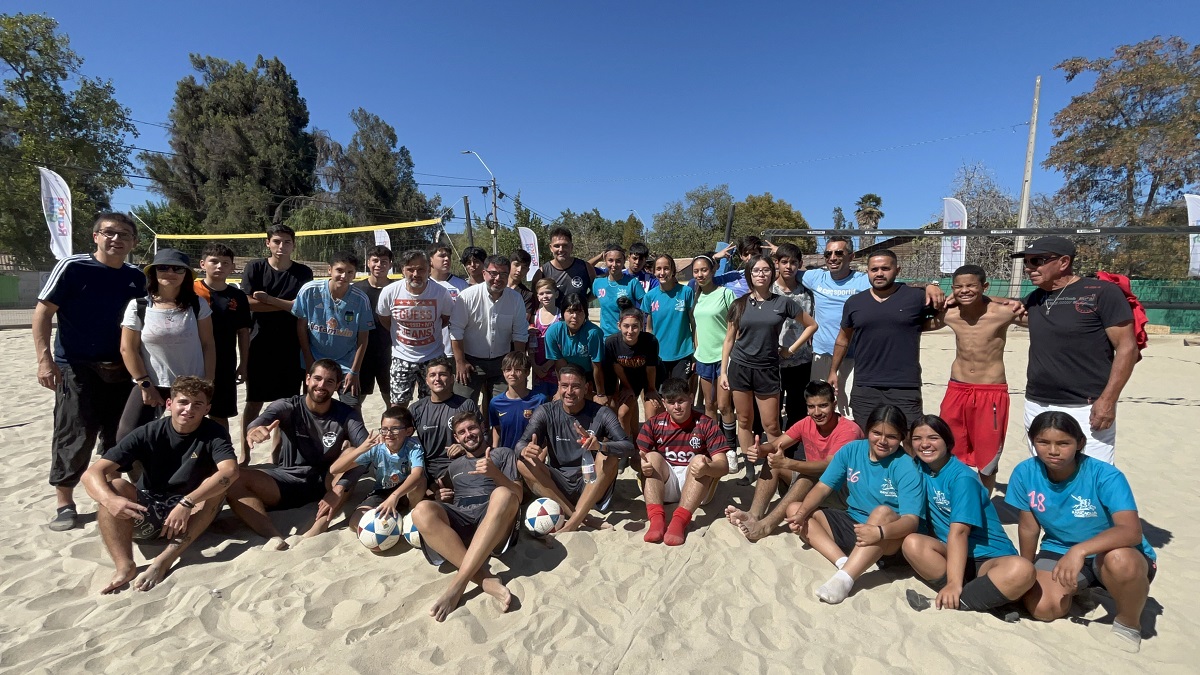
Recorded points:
(408,530)
(543,516)
(378,533)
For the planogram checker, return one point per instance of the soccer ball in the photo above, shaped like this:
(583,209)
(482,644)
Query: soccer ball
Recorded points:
(409,531)
(542,517)
(378,533)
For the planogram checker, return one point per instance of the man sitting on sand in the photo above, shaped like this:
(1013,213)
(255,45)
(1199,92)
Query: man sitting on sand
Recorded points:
(301,475)
(187,464)
(976,401)
(683,456)
(570,451)
(472,518)
(821,434)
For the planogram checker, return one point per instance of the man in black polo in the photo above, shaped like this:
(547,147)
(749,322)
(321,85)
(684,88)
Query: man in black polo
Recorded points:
(88,293)
(883,325)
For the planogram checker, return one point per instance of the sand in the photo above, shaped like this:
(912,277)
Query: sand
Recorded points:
(601,602)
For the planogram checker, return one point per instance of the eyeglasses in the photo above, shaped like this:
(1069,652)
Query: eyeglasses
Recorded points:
(492,274)
(838,253)
(1039,260)
(116,235)
(175,269)
(391,431)
(760,272)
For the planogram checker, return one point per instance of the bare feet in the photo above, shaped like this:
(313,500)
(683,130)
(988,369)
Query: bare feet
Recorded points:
(276,544)
(150,577)
(499,591)
(122,576)
(448,602)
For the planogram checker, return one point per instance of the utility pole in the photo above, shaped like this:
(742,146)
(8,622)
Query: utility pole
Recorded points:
(495,218)
(470,232)
(1018,265)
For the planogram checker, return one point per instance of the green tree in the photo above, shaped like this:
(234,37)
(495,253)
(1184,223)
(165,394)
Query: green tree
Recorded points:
(77,131)
(757,213)
(239,144)
(1132,143)
(695,223)
(868,214)
(839,219)
(591,231)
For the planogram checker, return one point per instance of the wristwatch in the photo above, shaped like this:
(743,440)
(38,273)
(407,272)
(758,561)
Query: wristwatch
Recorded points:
(143,382)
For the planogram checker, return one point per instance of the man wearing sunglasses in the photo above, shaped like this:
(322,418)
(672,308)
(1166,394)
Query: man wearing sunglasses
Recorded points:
(88,293)
(1081,344)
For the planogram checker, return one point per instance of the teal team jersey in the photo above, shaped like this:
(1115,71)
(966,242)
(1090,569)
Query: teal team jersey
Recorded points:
(893,481)
(955,495)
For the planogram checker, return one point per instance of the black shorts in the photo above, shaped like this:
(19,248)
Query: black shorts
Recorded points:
(682,369)
(376,367)
(864,400)
(465,518)
(273,371)
(88,404)
(158,507)
(435,468)
(760,381)
(294,491)
(569,481)
(1089,576)
(224,403)
(377,497)
(841,525)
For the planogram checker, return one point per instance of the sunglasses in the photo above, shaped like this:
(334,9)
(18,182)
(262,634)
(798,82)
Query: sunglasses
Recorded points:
(1039,260)
(831,254)
(177,269)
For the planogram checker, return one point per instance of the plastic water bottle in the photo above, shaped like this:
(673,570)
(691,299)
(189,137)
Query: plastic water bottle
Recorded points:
(589,468)
(731,458)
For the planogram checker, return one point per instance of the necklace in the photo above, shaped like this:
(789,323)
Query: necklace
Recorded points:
(1058,297)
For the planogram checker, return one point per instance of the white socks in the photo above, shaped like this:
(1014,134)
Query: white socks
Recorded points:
(840,562)
(836,589)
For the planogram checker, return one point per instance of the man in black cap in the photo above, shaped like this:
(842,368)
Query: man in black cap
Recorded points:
(1081,344)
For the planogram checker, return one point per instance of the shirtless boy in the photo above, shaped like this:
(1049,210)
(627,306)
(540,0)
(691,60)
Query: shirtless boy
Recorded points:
(976,402)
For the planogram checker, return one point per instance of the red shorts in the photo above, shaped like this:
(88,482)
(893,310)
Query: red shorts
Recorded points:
(978,416)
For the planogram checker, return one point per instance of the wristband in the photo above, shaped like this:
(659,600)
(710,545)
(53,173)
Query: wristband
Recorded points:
(881,537)
(353,372)
(187,503)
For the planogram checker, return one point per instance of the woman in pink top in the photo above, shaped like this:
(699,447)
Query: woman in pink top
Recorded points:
(545,381)
(823,432)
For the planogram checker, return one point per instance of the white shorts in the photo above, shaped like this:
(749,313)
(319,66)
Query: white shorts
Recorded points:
(673,484)
(1100,444)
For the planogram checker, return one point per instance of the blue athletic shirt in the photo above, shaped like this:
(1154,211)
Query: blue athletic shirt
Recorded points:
(829,297)
(734,281)
(1076,509)
(583,348)
(511,415)
(955,495)
(670,320)
(390,470)
(333,325)
(608,291)
(91,299)
(893,481)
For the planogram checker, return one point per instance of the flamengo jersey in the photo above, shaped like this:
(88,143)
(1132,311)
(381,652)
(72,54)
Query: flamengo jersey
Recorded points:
(699,435)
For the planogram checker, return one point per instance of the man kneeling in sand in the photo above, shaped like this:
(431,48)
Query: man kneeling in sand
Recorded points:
(314,430)
(187,464)
(821,434)
(570,450)
(474,517)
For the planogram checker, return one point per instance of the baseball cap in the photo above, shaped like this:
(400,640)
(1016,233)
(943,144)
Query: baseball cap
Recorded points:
(1048,246)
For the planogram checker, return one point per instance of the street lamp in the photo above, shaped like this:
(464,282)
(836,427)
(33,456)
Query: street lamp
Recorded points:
(495,219)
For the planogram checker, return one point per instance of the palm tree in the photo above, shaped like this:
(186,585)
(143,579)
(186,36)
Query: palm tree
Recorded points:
(868,215)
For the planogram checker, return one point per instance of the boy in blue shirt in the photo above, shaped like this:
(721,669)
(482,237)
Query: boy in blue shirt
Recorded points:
(335,321)
(885,503)
(969,560)
(394,457)
(509,413)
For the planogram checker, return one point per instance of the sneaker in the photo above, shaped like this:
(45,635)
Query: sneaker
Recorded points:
(65,519)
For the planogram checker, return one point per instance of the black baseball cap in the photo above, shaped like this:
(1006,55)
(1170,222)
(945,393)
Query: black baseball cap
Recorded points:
(169,256)
(1048,246)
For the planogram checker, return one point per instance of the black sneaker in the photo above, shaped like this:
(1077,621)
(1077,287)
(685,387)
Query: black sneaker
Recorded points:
(65,519)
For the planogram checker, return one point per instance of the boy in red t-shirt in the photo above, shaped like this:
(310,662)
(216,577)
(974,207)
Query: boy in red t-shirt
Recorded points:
(683,457)
(821,434)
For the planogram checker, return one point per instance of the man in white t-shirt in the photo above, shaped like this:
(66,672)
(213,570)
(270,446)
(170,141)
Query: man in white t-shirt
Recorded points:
(415,312)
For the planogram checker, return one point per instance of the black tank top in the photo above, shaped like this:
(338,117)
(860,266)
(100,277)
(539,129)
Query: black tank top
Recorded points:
(572,280)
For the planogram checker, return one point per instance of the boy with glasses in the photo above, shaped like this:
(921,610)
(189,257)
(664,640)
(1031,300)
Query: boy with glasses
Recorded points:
(395,459)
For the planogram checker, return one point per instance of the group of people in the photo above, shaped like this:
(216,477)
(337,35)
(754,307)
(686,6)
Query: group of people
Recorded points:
(812,377)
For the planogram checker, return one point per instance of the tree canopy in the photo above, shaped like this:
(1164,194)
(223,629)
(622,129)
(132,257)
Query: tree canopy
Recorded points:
(77,131)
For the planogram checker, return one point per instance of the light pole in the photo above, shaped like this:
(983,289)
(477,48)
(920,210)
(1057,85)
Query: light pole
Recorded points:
(495,219)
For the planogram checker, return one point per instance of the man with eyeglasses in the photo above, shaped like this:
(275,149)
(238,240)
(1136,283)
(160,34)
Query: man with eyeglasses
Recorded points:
(831,287)
(487,322)
(1082,346)
(88,293)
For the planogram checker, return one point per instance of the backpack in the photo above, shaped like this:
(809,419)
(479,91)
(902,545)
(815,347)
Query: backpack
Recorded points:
(144,302)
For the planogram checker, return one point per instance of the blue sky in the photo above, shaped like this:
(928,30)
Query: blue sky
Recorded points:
(625,106)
